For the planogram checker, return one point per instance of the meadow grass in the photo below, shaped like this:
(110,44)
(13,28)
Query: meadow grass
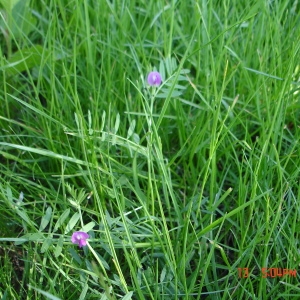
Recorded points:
(187,190)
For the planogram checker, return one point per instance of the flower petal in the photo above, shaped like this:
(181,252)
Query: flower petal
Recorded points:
(79,238)
(154,78)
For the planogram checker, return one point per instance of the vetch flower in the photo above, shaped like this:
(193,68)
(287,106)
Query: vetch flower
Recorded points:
(154,78)
(79,237)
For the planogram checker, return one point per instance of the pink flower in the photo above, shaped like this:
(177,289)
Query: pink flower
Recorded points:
(154,78)
(79,237)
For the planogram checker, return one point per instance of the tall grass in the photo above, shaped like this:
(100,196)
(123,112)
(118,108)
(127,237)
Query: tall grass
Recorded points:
(187,190)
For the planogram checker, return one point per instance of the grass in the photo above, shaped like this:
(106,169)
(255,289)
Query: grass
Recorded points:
(187,190)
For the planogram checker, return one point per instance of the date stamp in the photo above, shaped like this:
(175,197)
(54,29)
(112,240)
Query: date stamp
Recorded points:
(268,272)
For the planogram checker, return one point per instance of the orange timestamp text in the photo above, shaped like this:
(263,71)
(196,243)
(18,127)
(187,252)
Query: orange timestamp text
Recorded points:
(268,272)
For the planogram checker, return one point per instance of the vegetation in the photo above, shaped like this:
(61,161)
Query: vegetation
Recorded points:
(187,189)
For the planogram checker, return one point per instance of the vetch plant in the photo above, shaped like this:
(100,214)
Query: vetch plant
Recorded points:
(169,82)
(79,237)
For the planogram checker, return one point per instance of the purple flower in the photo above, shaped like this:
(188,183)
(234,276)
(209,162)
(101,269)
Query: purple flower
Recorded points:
(79,237)
(154,78)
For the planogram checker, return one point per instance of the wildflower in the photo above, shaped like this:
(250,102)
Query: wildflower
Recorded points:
(154,78)
(79,237)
